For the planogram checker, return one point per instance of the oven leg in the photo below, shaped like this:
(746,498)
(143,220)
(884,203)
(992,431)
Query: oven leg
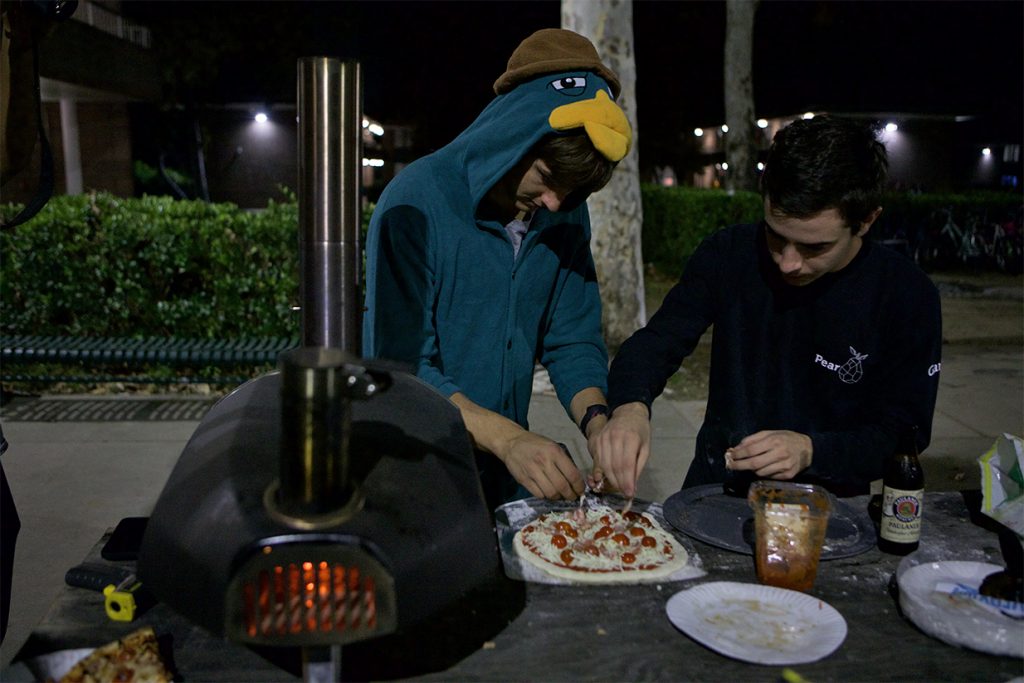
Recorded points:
(321,664)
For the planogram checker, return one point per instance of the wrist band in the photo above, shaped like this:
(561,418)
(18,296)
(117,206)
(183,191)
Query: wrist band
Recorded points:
(591,413)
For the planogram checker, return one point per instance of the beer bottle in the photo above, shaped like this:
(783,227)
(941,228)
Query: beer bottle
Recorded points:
(902,498)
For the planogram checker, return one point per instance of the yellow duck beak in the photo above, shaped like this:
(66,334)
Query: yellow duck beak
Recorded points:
(604,122)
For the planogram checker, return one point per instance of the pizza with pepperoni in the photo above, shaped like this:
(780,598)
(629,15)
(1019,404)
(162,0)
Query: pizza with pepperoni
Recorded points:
(600,545)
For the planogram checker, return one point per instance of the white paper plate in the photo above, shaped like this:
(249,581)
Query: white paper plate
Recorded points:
(958,621)
(758,624)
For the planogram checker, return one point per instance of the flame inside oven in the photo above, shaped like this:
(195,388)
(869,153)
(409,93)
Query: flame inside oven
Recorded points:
(308,593)
(309,597)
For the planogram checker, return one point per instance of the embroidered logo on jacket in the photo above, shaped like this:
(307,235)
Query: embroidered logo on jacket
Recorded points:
(849,372)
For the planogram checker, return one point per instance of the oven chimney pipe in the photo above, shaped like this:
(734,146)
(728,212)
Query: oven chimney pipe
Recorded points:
(330,165)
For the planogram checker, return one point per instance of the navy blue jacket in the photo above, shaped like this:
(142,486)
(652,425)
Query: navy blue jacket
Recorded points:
(850,359)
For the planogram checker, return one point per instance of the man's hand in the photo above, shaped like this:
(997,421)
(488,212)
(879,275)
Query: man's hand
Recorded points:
(536,462)
(542,467)
(773,454)
(622,448)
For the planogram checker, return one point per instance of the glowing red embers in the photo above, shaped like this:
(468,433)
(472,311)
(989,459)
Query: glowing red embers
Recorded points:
(308,598)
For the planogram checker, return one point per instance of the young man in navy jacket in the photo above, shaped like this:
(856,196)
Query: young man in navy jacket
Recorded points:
(826,346)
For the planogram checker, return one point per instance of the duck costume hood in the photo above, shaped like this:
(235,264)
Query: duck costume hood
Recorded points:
(555,82)
(448,292)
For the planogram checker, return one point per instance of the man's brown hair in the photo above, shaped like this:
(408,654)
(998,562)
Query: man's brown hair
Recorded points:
(574,163)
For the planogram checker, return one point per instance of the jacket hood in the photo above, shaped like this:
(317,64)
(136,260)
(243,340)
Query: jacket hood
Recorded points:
(516,120)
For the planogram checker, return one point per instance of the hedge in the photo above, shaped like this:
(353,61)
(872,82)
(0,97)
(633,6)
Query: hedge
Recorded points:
(98,265)
(676,219)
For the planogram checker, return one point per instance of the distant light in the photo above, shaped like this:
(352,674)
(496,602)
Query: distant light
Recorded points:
(809,115)
(762,123)
(986,152)
(366,123)
(260,117)
(373,162)
(376,129)
(760,166)
(891,128)
(699,132)
(725,127)
(725,166)
(668,181)
(718,166)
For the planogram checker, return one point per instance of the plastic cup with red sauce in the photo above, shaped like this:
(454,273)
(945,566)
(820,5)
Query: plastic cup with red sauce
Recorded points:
(790,520)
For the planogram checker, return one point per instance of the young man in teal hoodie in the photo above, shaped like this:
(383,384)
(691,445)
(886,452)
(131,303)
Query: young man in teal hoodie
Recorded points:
(479,263)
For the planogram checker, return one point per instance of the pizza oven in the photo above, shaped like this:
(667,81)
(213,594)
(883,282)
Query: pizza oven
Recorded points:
(334,500)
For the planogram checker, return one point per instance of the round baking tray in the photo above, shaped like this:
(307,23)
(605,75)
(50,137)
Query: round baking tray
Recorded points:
(710,515)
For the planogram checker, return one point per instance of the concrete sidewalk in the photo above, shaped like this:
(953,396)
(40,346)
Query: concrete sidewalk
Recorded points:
(79,464)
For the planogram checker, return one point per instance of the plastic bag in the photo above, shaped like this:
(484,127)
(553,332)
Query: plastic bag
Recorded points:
(1002,482)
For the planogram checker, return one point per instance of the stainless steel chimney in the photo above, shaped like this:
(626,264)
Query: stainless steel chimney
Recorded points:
(330,162)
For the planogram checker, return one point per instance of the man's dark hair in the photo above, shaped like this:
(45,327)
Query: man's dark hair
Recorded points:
(575,163)
(823,163)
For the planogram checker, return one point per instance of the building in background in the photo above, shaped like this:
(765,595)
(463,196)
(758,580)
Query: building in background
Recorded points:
(251,152)
(110,129)
(92,68)
(927,153)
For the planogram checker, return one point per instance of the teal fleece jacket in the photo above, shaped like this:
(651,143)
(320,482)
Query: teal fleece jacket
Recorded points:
(444,292)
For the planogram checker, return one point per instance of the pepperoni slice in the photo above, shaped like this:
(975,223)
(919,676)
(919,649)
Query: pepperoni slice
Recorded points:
(621,539)
(649,542)
(636,531)
(566,556)
(559,541)
(603,532)
(566,529)
(628,558)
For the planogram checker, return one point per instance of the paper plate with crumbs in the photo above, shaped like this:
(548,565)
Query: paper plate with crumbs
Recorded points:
(758,624)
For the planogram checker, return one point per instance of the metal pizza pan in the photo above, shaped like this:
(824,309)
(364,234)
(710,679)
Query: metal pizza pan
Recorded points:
(725,521)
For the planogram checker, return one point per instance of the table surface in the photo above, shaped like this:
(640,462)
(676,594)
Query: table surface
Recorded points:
(511,630)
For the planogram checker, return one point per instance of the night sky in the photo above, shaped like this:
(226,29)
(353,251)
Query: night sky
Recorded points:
(432,63)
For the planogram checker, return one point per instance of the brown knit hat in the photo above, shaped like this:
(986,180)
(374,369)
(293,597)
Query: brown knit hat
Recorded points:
(553,50)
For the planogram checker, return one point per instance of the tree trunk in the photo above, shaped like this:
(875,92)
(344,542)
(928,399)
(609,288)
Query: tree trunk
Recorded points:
(740,148)
(616,215)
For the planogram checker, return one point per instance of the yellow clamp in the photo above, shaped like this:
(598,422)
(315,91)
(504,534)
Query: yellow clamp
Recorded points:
(119,601)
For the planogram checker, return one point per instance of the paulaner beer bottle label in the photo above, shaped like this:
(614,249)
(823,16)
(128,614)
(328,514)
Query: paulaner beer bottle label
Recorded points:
(901,515)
